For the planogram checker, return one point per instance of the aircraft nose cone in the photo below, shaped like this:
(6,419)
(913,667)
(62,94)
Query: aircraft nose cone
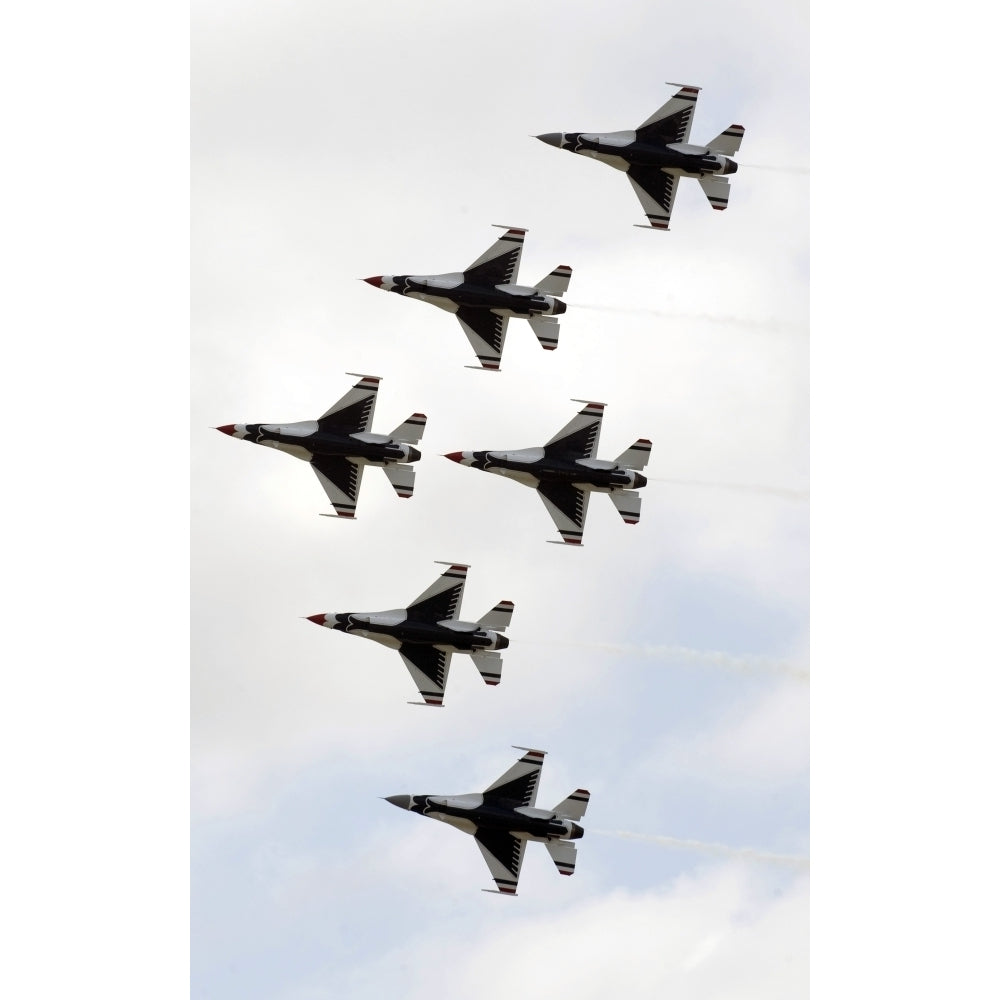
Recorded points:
(318,619)
(229,429)
(454,456)
(375,279)
(403,801)
(552,139)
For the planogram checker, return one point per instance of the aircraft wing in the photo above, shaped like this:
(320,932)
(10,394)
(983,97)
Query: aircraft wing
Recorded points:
(353,413)
(519,784)
(429,669)
(486,331)
(341,479)
(567,506)
(579,438)
(442,599)
(656,191)
(498,266)
(672,122)
(502,852)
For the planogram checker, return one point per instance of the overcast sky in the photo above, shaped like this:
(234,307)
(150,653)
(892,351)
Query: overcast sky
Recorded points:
(903,493)
(664,666)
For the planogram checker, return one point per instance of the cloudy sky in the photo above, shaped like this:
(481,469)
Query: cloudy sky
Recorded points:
(692,868)
(664,667)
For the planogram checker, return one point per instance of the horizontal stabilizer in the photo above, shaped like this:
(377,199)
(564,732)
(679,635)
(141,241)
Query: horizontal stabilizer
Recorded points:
(411,430)
(489,664)
(628,503)
(563,854)
(546,330)
(637,456)
(716,191)
(728,142)
(402,478)
(573,806)
(557,281)
(499,618)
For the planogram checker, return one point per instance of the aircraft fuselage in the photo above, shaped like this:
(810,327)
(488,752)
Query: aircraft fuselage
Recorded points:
(478,812)
(452,292)
(532,467)
(304,439)
(393,628)
(623,150)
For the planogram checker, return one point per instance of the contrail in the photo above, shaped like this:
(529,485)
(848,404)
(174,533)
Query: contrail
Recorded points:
(783,170)
(776,491)
(770,325)
(740,664)
(719,850)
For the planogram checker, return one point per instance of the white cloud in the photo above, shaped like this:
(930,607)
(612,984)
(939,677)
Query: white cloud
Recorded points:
(763,742)
(695,938)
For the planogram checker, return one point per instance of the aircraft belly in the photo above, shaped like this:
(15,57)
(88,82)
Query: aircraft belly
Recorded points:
(612,160)
(435,300)
(380,637)
(518,476)
(295,450)
(459,822)
(536,838)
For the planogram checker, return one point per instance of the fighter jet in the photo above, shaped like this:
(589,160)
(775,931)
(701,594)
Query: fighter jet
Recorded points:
(427,631)
(565,472)
(657,153)
(340,444)
(486,294)
(503,818)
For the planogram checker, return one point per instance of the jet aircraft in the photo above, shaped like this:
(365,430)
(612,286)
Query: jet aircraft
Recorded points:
(427,631)
(340,444)
(657,153)
(565,472)
(503,818)
(486,294)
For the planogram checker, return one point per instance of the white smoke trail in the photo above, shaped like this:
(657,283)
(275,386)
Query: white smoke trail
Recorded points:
(776,491)
(768,166)
(769,325)
(740,664)
(718,850)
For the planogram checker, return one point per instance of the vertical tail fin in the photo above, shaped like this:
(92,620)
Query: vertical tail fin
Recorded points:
(410,430)
(402,478)
(556,282)
(499,618)
(716,191)
(546,329)
(728,142)
(489,664)
(637,456)
(563,854)
(574,805)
